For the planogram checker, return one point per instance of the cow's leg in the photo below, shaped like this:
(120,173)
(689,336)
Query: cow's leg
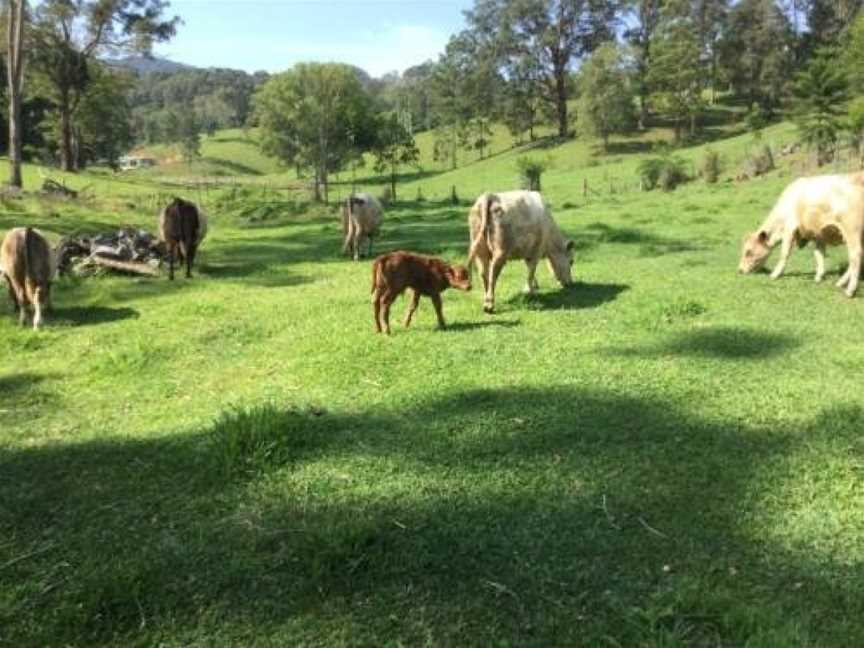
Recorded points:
(494,270)
(376,309)
(785,250)
(436,302)
(12,295)
(355,243)
(412,308)
(191,251)
(171,252)
(22,306)
(531,285)
(482,265)
(854,271)
(385,314)
(819,256)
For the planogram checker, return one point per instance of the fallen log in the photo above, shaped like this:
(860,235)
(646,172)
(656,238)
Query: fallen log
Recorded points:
(132,267)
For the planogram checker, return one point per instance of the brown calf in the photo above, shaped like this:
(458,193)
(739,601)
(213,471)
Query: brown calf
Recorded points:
(26,261)
(394,272)
(182,227)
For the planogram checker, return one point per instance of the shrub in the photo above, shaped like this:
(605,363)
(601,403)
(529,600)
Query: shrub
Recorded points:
(758,164)
(386,196)
(530,171)
(712,166)
(667,172)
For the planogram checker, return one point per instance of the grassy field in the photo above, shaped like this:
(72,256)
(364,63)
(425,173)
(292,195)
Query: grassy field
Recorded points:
(664,454)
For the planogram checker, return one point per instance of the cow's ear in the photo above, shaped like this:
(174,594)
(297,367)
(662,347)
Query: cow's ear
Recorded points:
(569,246)
(763,236)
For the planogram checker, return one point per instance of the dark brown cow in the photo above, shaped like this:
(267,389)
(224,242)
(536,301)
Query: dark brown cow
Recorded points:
(27,263)
(182,227)
(394,272)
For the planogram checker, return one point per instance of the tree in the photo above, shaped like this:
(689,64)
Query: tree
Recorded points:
(675,73)
(190,137)
(15,76)
(606,98)
(314,116)
(553,33)
(646,14)
(828,21)
(819,93)
(853,55)
(394,148)
(103,128)
(756,51)
(70,34)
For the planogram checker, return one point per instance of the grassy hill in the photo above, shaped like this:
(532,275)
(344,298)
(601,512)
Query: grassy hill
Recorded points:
(664,454)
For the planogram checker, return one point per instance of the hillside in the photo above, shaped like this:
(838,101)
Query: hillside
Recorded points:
(645,458)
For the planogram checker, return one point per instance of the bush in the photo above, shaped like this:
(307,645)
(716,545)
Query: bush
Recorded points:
(386,196)
(665,172)
(712,166)
(759,164)
(529,172)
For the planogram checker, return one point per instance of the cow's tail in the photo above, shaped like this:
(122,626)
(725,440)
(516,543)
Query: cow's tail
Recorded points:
(486,201)
(189,227)
(30,277)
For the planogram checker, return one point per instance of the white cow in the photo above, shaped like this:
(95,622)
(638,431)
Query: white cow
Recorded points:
(827,210)
(361,218)
(515,225)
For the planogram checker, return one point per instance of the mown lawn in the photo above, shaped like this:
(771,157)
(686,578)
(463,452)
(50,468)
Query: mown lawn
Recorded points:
(664,454)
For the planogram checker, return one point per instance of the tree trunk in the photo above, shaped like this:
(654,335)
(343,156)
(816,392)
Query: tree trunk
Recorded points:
(561,101)
(67,160)
(393,184)
(317,185)
(15,76)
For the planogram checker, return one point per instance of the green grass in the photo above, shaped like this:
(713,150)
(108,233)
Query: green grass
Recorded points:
(665,454)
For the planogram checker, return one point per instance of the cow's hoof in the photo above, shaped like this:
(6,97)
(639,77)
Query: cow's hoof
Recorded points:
(850,294)
(818,279)
(488,309)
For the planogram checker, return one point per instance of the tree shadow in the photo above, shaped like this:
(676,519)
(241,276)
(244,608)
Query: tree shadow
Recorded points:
(231,167)
(577,296)
(23,397)
(629,147)
(532,516)
(725,343)
(90,315)
(650,244)
(460,327)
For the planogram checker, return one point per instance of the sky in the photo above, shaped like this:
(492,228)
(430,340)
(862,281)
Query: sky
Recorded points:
(379,36)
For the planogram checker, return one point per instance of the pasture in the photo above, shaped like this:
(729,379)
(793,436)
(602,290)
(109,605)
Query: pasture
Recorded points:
(664,454)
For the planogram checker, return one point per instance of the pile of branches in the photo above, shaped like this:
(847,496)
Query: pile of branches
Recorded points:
(129,251)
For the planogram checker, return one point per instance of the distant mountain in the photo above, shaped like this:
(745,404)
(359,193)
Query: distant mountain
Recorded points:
(145,65)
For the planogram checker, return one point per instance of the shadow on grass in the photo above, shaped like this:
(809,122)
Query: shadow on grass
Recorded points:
(727,343)
(574,297)
(650,244)
(24,397)
(542,516)
(459,327)
(90,315)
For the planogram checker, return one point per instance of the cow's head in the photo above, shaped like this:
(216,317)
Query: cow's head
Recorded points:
(458,277)
(560,263)
(756,248)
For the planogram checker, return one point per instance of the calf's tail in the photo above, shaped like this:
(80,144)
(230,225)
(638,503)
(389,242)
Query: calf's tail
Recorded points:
(376,271)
